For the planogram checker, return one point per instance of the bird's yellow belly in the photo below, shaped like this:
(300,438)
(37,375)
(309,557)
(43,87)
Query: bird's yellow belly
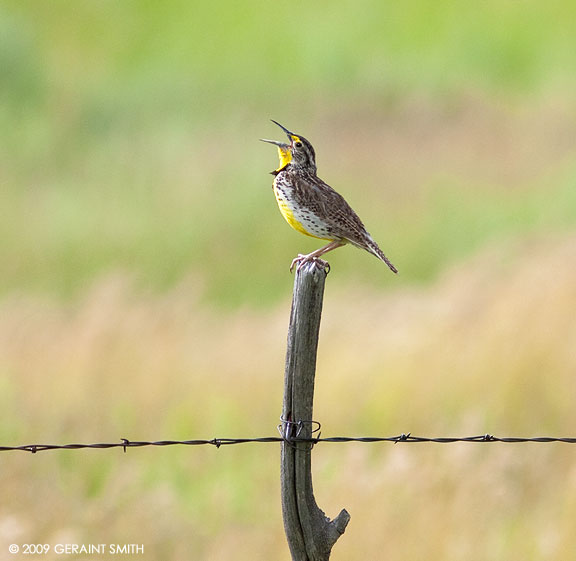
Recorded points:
(308,225)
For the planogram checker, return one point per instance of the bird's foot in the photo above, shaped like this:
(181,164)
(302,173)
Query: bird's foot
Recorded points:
(301,260)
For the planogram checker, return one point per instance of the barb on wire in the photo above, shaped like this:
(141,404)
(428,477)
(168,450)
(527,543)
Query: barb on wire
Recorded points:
(290,432)
(218,442)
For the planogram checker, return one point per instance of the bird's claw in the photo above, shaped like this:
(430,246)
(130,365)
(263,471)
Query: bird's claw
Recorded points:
(301,260)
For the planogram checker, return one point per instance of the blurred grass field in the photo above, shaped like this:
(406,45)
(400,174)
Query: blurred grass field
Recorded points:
(145,292)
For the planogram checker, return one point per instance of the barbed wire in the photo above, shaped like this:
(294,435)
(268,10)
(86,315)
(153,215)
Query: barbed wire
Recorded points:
(218,442)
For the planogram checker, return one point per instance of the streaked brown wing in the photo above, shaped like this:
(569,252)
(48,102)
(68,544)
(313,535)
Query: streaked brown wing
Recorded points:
(317,196)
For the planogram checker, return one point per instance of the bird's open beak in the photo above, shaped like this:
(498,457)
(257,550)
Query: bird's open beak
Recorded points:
(282,145)
(290,134)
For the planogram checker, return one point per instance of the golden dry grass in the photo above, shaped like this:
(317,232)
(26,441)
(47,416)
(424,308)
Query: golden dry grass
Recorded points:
(489,348)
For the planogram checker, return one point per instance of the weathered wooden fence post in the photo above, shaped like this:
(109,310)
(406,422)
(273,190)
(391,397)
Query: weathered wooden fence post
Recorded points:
(309,532)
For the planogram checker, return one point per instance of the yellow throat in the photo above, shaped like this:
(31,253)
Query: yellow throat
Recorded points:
(284,155)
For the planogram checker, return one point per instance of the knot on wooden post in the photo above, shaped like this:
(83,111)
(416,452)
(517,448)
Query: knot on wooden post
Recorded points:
(309,532)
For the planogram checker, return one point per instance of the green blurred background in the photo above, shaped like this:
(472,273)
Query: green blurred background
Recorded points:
(144,286)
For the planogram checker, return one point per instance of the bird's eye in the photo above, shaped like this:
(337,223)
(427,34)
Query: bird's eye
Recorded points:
(298,144)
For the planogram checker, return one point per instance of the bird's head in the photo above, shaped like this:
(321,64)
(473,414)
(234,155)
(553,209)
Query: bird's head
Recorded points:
(299,153)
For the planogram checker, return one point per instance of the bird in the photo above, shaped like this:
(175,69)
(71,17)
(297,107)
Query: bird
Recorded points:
(314,208)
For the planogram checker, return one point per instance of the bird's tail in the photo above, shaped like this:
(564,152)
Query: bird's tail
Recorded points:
(372,247)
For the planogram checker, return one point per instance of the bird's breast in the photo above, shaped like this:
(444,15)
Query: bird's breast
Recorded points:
(301,218)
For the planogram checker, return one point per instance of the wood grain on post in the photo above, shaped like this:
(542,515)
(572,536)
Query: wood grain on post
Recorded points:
(309,532)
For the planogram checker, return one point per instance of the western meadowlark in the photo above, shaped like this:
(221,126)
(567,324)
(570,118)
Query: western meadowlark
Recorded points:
(312,207)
